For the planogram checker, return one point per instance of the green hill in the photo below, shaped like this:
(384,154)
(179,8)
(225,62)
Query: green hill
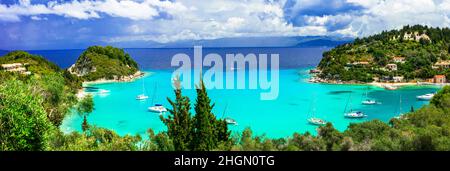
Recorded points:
(413,52)
(56,87)
(33,63)
(99,62)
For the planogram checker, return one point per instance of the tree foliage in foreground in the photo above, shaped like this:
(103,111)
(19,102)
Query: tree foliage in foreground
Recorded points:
(24,125)
(180,122)
(203,132)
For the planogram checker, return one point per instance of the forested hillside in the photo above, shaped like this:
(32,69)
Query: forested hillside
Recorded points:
(413,52)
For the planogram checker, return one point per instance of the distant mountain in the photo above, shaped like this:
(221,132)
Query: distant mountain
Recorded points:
(306,41)
(298,41)
(293,41)
(322,43)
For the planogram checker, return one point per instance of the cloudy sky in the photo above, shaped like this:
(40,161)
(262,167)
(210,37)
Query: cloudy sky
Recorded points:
(47,24)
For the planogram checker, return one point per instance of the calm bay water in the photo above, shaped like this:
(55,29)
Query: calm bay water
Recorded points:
(276,118)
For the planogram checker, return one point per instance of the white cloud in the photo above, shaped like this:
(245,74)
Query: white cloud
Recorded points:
(167,21)
(86,9)
(218,19)
(389,14)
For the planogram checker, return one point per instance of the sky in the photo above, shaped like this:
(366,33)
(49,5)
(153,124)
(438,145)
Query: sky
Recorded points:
(71,24)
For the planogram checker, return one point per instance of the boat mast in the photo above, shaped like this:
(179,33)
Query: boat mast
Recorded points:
(154,93)
(314,106)
(348,101)
(224,110)
(143,86)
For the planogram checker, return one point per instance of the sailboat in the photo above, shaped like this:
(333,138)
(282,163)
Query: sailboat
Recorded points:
(426,97)
(228,120)
(400,114)
(313,119)
(390,87)
(352,114)
(142,96)
(368,101)
(231,121)
(156,108)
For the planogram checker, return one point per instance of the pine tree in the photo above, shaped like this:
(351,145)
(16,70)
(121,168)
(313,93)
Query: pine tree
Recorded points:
(179,123)
(221,127)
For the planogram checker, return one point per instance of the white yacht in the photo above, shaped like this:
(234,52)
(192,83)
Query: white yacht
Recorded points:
(400,114)
(428,96)
(313,119)
(157,108)
(369,102)
(355,114)
(317,121)
(141,97)
(230,121)
(390,87)
(351,113)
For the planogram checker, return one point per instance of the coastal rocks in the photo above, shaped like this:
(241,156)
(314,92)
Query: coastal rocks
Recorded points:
(81,71)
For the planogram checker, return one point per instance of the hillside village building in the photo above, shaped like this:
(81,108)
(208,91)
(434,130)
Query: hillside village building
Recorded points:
(442,64)
(391,67)
(16,67)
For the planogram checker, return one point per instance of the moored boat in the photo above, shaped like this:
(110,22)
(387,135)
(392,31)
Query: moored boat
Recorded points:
(390,87)
(141,97)
(355,114)
(230,121)
(157,108)
(428,96)
(317,121)
(369,102)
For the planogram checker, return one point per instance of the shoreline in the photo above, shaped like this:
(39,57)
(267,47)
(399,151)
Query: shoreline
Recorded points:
(384,85)
(139,74)
(130,78)
(313,78)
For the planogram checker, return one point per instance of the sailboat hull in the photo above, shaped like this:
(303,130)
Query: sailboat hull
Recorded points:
(157,109)
(316,121)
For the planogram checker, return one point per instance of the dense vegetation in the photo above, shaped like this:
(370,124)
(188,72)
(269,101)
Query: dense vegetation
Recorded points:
(55,86)
(203,132)
(108,62)
(421,47)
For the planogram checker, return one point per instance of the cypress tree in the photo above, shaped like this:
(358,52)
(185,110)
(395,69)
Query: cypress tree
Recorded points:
(179,122)
(205,135)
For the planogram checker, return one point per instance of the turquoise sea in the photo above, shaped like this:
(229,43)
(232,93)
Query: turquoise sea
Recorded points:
(276,118)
